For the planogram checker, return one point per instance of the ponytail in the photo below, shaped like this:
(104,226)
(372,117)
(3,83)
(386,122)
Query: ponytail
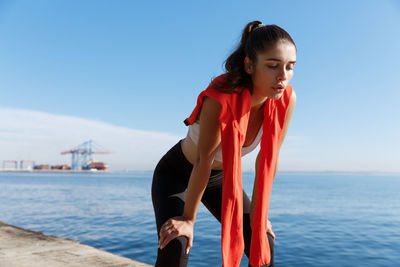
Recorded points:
(256,38)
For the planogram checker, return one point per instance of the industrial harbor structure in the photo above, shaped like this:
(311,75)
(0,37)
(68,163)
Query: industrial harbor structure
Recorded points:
(82,160)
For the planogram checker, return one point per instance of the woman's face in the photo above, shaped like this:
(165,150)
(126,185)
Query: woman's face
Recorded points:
(273,70)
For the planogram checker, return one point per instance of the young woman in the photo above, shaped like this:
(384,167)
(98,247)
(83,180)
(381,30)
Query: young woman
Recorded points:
(251,102)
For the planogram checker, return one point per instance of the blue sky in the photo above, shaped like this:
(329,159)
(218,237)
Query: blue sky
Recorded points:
(138,66)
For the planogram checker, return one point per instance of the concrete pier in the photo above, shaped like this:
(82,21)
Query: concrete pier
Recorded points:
(20,247)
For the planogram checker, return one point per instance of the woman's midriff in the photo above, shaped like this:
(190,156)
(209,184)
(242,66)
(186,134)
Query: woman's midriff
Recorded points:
(189,149)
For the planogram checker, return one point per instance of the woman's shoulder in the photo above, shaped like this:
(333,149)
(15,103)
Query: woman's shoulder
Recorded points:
(216,88)
(219,83)
(220,78)
(219,87)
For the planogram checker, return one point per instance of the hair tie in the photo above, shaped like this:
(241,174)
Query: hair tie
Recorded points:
(253,27)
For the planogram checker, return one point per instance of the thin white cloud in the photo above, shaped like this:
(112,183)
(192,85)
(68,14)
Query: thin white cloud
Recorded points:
(39,136)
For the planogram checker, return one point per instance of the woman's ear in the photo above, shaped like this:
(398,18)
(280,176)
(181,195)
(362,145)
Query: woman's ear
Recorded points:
(248,65)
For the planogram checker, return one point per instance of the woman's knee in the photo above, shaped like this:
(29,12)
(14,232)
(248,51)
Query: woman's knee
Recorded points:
(271,248)
(174,253)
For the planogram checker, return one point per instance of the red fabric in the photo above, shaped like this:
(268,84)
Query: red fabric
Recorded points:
(233,124)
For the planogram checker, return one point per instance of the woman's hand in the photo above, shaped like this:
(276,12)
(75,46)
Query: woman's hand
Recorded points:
(269,229)
(174,227)
(269,226)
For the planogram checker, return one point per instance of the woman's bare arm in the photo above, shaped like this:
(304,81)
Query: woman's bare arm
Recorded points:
(209,140)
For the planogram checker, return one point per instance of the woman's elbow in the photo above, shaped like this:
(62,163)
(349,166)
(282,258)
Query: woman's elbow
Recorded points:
(205,161)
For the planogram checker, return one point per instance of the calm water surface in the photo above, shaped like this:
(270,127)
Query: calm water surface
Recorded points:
(319,219)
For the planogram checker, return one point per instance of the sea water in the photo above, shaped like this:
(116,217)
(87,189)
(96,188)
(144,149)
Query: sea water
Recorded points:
(319,219)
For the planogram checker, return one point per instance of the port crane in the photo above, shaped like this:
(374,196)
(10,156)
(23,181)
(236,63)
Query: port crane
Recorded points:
(82,155)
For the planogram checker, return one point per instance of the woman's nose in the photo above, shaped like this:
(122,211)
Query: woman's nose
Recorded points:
(282,75)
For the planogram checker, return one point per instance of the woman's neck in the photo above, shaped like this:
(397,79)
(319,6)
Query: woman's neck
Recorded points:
(257,102)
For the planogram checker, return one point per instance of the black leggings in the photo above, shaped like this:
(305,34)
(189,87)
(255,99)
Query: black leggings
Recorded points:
(170,180)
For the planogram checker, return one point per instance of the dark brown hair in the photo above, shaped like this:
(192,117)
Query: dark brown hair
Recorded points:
(256,38)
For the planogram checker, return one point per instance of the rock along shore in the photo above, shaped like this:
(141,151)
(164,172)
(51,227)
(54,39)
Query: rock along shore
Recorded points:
(20,247)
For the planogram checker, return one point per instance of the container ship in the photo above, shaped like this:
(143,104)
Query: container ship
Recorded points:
(90,166)
(95,166)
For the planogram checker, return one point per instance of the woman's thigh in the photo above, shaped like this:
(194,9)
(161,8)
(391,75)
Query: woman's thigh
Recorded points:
(168,190)
(170,180)
(212,200)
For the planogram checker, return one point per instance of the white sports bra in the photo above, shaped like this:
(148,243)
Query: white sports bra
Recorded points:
(194,133)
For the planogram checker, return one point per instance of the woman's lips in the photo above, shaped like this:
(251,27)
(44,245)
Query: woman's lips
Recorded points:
(279,88)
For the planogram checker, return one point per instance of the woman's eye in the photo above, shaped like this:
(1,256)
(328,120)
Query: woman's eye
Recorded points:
(290,67)
(272,66)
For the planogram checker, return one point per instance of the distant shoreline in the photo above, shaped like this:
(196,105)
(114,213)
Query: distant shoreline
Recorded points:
(41,171)
(244,172)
